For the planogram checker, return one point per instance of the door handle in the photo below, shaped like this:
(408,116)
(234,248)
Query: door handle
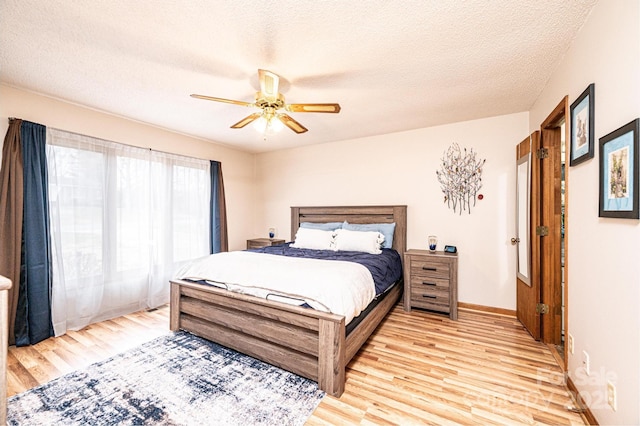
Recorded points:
(515,241)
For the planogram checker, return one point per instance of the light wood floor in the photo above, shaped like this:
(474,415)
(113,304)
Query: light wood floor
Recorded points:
(30,366)
(417,368)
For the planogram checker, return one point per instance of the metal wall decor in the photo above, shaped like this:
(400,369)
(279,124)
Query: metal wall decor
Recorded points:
(460,177)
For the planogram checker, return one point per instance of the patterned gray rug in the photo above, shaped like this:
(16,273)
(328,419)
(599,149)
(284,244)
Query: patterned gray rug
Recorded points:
(177,379)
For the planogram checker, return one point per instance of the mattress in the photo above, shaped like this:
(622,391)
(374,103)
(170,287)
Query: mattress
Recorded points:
(385,268)
(343,283)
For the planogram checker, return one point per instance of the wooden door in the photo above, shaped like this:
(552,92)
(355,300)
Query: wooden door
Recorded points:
(539,302)
(528,207)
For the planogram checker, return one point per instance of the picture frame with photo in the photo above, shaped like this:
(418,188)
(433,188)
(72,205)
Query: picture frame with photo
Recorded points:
(582,119)
(619,172)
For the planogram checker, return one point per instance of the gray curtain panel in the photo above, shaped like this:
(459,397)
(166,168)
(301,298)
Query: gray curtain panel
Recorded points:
(33,312)
(219,239)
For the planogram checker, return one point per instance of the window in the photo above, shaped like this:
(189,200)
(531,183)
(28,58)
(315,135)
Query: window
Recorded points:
(123,220)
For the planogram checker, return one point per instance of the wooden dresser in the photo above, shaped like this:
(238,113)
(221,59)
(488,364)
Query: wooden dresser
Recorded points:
(431,281)
(5,285)
(263,242)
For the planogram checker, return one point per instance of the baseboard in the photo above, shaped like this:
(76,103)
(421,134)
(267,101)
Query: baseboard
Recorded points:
(585,412)
(556,355)
(487,309)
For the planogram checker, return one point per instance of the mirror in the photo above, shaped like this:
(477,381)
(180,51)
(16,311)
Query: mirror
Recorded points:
(523,186)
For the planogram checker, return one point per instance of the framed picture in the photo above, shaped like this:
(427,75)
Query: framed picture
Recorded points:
(619,172)
(582,122)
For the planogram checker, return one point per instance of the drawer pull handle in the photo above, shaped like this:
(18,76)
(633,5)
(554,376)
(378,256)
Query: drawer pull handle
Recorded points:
(427,268)
(427,283)
(428,296)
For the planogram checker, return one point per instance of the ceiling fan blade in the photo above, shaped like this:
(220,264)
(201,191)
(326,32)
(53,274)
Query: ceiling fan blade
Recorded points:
(291,123)
(269,84)
(332,108)
(228,101)
(240,124)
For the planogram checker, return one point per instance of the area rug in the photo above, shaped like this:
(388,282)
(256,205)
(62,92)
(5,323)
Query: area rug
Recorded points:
(176,379)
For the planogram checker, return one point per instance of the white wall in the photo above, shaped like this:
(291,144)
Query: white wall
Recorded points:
(237,166)
(400,168)
(603,254)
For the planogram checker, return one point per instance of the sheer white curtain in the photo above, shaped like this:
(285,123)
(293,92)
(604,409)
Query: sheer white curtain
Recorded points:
(123,219)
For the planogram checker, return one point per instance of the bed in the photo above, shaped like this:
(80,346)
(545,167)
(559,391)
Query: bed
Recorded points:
(307,342)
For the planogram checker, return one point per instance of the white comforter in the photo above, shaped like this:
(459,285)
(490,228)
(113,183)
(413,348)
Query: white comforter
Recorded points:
(343,288)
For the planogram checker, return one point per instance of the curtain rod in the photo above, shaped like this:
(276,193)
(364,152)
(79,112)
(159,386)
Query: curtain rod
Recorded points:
(129,145)
(121,143)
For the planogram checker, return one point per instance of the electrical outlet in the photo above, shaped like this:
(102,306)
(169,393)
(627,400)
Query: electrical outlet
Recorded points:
(612,398)
(570,343)
(585,363)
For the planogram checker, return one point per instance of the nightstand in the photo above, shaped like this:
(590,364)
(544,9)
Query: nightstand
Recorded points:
(263,242)
(431,281)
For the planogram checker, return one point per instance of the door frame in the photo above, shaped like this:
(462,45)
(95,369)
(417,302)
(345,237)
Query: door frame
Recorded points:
(551,270)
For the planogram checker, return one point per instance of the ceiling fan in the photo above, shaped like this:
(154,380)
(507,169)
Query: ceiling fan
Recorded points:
(272,104)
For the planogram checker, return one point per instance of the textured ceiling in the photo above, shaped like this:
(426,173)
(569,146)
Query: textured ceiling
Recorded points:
(392,65)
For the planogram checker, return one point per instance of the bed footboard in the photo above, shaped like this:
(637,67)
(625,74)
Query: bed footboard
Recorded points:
(306,342)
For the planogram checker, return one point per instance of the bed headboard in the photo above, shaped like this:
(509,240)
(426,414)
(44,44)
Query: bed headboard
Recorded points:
(355,214)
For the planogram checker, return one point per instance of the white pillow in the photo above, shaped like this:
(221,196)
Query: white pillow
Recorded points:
(316,239)
(366,241)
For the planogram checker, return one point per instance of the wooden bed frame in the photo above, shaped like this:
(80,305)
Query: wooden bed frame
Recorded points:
(309,343)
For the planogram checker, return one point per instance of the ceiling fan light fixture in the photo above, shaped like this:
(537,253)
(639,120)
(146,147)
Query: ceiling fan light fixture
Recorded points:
(275,124)
(268,124)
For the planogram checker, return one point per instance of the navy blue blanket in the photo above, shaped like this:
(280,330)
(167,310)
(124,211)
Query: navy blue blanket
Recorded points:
(385,268)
